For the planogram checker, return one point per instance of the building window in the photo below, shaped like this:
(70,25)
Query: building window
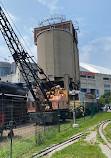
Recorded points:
(91,77)
(33,104)
(106,90)
(67,28)
(50,77)
(29,105)
(83,90)
(106,86)
(107,79)
(52,26)
(83,76)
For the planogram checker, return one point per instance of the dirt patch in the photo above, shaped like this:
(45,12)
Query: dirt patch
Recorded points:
(91,138)
(105,150)
(24,131)
(21,133)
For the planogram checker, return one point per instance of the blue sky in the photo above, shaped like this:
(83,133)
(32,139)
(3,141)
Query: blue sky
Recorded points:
(93,17)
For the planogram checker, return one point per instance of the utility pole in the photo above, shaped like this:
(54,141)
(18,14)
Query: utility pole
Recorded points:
(74,109)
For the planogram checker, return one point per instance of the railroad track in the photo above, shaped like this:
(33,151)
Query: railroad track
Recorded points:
(52,149)
(101,132)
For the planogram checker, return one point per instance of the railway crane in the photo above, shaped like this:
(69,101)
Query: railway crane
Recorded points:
(27,65)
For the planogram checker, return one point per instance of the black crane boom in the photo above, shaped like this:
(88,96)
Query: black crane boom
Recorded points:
(21,57)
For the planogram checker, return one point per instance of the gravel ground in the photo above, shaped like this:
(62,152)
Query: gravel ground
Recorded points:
(91,138)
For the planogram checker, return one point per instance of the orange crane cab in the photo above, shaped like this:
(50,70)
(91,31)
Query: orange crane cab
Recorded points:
(58,100)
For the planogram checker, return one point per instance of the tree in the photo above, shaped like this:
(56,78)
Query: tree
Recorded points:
(106,98)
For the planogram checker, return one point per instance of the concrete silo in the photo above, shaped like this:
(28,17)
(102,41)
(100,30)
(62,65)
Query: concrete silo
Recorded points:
(57,53)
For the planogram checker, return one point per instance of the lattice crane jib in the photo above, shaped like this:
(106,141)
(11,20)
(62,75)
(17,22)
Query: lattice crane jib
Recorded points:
(23,60)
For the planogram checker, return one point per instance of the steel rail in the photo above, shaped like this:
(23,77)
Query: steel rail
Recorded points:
(57,146)
(101,132)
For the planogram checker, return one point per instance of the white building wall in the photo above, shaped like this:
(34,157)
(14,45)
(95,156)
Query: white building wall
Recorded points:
(98,83)
(15,78)
(6,78)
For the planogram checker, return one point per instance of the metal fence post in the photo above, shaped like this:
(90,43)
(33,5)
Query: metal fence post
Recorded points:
(44,119)
(58,118)
(91,109)
(36,122)
(11,129)
(2,112)
(74,111)
(84,110)
(98,107)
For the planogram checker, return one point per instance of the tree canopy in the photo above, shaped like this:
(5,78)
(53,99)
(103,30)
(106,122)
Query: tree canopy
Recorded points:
(106,98)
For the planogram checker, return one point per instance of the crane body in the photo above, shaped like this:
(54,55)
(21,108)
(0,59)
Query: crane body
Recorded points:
(24,62)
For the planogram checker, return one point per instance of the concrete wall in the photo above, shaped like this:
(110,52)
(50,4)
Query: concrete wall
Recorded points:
(56,53)
(45,55)
(96,83)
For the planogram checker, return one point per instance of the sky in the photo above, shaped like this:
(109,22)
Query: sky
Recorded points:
(93,17)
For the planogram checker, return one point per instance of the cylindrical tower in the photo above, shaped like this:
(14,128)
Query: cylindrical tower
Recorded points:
(57,53)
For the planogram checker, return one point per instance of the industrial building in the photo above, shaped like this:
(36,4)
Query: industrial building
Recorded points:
(57,53)
(15,75)
(58,56)
(5,68)
(95,79)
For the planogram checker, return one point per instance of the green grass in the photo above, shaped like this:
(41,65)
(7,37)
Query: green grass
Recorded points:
(26,148)
(100,139)
(108,131)
(80,149)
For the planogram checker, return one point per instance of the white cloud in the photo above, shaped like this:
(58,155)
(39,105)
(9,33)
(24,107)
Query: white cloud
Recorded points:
(51,4)
(97,52)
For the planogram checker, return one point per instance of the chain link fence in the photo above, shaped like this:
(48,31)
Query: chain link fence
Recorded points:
(33,122)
